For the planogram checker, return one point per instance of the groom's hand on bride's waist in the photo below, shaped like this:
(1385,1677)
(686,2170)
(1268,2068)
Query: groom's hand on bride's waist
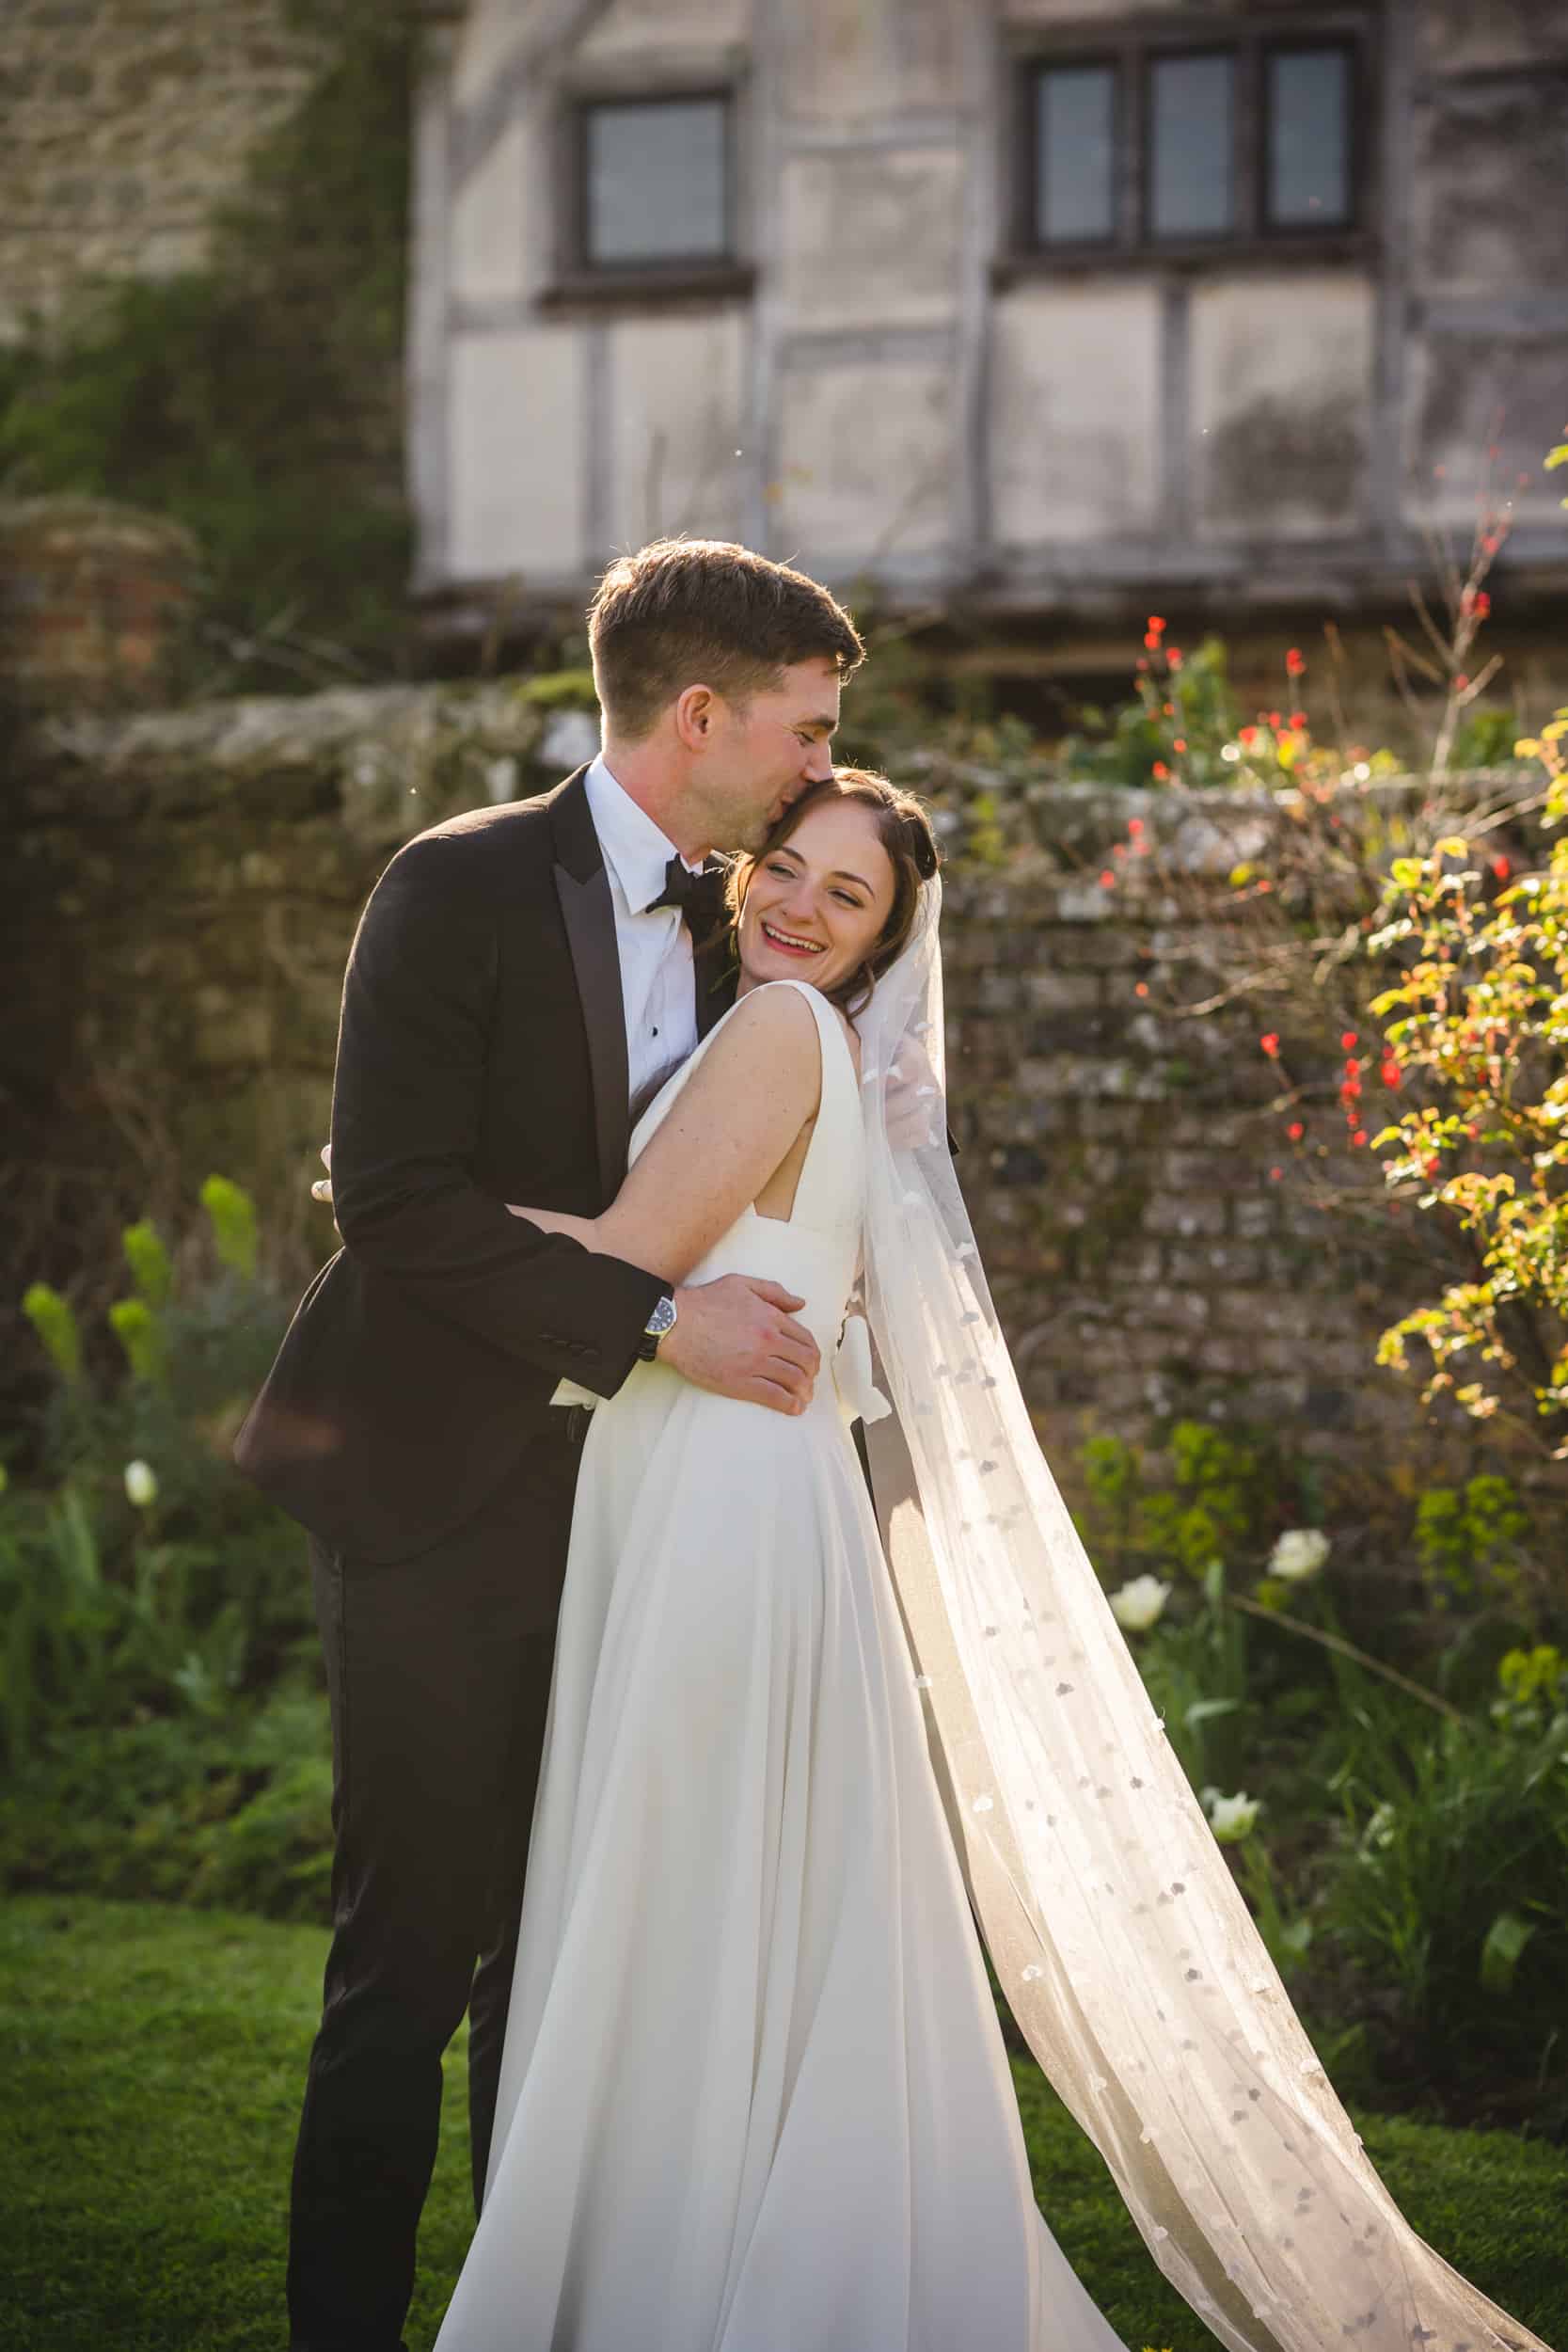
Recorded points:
(738,1337)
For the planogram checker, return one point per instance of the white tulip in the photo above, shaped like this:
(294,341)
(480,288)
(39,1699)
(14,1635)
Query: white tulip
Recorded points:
(141,1484)
(1299,1554)
(1139,1604)
(1232,1817)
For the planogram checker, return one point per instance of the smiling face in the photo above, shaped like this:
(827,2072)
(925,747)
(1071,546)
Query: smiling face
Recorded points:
(818,904)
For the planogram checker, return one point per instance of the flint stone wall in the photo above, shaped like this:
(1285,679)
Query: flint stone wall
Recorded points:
(126,124)
(189,888)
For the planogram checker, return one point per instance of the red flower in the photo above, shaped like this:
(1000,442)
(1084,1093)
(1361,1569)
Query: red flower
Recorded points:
(1161,771)
(1360,1136)
(1275,1175)
(1247,737)
(1390,1073)
(1295,1131)
(1134,824)
(1275,719)
(1154,624)
(1152,642)
(1173,656)
(1269,1042)
(1140,987)
(1348,1038)
(1179,744)
(1298,718)
(1501,867)
(1461,681)
(1483,604)
(1432,1165)
(1107,880)
(1265,885)
(1142,663)
(1295,662)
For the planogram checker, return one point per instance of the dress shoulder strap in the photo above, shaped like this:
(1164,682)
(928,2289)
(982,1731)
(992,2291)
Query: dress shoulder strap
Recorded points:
(830,1174)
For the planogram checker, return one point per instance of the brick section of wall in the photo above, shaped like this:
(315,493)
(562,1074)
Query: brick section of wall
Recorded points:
(123,124)
(191,885)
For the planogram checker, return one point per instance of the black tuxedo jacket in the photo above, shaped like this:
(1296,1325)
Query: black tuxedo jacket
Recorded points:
(482,1059)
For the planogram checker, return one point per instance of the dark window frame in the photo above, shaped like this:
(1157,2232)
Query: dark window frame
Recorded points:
(582,278)
(1130,51)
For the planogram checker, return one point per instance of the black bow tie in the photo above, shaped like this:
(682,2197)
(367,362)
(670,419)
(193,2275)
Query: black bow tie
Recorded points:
(698,896)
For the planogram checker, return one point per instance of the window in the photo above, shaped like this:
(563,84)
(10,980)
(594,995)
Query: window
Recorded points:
(1168,141)
(647,198)
(655,181)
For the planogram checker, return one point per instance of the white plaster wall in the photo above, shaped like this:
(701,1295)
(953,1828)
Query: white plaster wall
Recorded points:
(1075,419)
(517,420)
(487,34)
(643,27)
(845,63)
(1281,400)
(871,238)
(676,395)
(1454,36)
(489,223)
(1481,414)
(866,463)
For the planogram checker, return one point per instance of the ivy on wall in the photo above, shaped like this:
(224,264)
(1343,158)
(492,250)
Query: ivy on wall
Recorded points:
(257,400)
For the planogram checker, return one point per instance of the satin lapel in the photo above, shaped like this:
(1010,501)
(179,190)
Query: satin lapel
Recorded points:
(582,886)
(714,974)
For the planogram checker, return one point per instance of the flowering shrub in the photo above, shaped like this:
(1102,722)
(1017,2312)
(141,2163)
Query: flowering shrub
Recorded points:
(1481,1013)
(1184,726)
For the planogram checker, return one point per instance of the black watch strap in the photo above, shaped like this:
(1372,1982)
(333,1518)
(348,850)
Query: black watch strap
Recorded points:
(660,1320)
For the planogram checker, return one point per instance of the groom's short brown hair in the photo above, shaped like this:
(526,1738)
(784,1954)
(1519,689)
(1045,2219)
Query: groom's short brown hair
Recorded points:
(685,613)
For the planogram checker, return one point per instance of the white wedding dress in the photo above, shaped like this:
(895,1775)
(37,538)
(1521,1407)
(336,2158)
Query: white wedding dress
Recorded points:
(753,2096)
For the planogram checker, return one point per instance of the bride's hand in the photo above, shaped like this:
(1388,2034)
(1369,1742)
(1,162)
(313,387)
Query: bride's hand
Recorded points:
(322,1189)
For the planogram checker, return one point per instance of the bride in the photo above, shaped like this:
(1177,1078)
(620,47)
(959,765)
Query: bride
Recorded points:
(753,2096)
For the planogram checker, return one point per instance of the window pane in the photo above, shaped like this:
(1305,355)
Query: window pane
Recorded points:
(1309,139)
(1192,176)
(655,182)
(1075,147)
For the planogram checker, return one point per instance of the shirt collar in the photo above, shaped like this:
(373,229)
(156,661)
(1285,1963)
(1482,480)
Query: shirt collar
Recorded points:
(635,851)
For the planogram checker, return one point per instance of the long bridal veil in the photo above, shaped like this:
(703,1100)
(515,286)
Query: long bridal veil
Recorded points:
(1127,1955)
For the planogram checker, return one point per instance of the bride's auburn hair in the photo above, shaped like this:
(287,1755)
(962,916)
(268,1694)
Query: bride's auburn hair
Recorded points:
(905,831)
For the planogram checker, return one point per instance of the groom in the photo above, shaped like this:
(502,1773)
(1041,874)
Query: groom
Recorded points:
(519,976)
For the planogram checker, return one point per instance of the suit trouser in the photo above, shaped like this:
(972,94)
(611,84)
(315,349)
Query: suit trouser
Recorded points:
(438,1673)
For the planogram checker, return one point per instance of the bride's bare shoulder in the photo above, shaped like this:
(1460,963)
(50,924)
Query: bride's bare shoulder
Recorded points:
(791,1015)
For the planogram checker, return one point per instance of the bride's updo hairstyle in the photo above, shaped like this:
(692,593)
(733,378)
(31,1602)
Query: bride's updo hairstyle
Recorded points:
(904,828)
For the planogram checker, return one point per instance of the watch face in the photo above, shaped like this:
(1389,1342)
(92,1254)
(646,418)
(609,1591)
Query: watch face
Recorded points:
(662,1319)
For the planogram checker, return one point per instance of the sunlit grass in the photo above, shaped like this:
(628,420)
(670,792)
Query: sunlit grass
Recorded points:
(154,2060)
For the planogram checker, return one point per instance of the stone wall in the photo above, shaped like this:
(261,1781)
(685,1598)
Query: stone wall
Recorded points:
(190,886)
(123,124)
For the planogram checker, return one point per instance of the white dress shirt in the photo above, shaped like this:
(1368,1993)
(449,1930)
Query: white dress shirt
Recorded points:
(657,989)
(658,993)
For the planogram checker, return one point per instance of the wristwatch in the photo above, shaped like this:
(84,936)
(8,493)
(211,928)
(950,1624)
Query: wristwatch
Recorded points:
(659,1322)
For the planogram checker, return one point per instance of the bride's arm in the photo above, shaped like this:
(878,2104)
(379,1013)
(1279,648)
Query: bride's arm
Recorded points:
(729,1128)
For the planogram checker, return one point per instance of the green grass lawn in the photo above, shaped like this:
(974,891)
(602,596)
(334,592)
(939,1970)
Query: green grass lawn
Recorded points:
(153,2062)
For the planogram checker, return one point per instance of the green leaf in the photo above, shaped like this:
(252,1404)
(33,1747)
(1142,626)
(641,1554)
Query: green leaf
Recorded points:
(149,1261)
(54,1320)
(1499,1955)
